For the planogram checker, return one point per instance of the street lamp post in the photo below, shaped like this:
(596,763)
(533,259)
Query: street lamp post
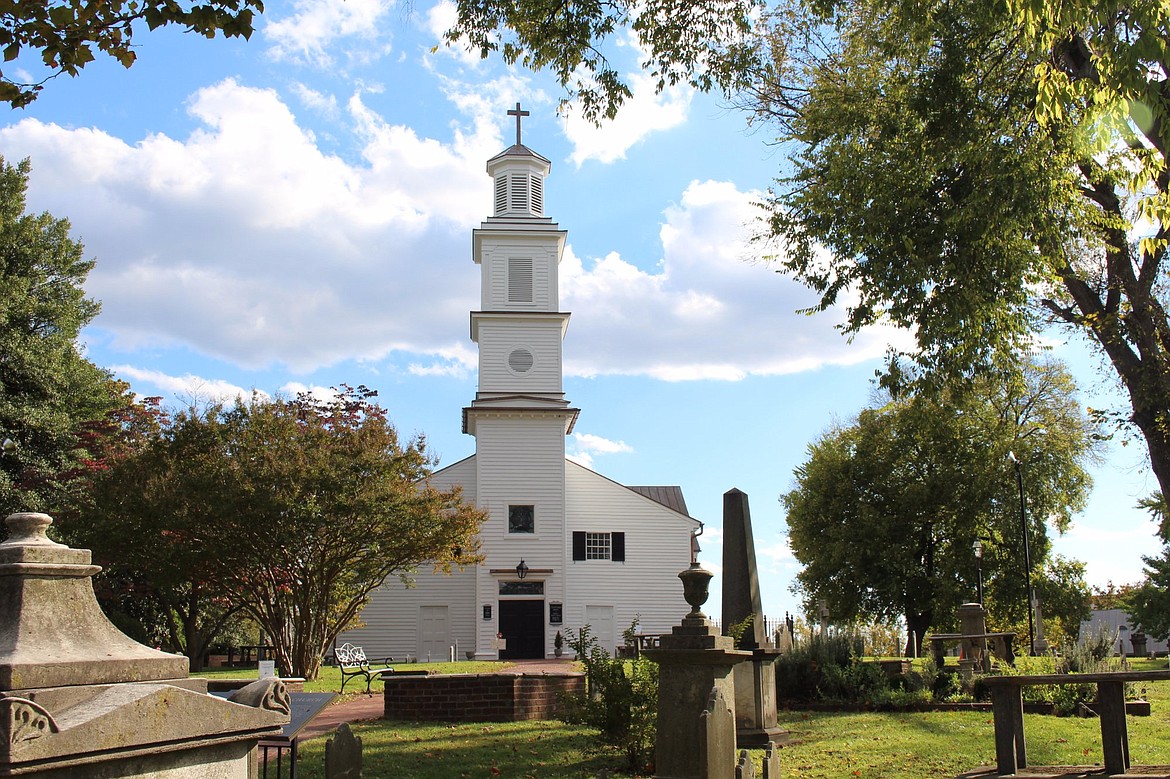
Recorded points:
(1027,552)
(978,547)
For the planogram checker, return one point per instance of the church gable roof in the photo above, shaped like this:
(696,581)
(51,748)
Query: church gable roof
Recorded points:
(671,497)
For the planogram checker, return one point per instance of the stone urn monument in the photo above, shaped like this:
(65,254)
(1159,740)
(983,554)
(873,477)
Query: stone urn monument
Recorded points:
(695,669)
(78,698)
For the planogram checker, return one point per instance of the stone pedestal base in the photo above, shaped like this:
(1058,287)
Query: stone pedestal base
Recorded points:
(755,701)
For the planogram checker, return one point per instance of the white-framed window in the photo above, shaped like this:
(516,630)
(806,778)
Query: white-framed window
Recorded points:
(597,546)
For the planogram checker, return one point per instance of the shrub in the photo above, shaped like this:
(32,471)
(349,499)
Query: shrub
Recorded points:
(1097,647)
(826,668)
(620,699)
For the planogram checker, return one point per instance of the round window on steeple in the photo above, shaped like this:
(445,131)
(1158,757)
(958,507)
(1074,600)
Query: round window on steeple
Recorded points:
(521,360)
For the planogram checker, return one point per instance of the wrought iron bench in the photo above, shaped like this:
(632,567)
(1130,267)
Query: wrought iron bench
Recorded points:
(352,662)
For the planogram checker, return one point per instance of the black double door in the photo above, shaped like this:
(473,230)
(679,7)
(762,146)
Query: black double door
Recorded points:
(522,625)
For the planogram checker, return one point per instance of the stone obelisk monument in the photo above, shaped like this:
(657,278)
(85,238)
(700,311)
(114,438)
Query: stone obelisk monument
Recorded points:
(755,677)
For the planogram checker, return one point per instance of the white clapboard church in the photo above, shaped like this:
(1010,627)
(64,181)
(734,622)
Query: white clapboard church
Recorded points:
(563,545)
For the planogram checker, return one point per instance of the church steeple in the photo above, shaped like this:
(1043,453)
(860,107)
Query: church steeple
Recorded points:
(519,327)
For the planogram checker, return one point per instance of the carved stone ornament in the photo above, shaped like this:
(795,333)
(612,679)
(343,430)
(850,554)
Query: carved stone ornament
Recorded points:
(267,694)
(23,720)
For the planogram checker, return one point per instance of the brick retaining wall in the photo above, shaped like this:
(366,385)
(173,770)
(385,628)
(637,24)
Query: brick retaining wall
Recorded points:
(479,697)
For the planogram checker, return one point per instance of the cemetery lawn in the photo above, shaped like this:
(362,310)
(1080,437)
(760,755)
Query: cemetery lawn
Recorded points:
(509,750)
(869,745)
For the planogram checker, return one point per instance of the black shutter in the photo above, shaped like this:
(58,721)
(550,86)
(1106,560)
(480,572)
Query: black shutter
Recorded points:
(617,547)
(578,545)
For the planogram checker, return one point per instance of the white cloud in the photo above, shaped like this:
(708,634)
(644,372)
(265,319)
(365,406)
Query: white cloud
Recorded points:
(646,111)
(458,362)
(292,389)
(642,114)
(308,35)
(188,387)
(598,445)
(705,312)
(246,242)
(325,105)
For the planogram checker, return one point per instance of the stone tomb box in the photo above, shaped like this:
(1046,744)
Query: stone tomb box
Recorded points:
(80,698)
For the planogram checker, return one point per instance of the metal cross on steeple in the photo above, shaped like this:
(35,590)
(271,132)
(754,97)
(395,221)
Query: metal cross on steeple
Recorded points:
(518,113)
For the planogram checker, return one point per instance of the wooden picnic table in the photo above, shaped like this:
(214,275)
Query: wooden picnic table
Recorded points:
(1008,711)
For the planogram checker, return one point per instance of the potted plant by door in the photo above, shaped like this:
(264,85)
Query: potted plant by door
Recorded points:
(558,644)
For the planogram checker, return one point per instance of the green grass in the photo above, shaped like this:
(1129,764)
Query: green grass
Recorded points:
(517,750)
(870,745)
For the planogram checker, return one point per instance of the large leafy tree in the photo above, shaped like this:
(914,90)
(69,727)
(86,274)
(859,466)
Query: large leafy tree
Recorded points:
(886,510)
(293,510)
(49,393)
(68,35)
(977,171)
(153,513)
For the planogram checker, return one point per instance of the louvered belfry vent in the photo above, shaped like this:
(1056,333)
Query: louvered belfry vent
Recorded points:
(519,192)
(519,279)
(537,190)
(501,195)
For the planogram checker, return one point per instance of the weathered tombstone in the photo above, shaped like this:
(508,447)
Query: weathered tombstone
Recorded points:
(694,662)
(717,744)
(343,755)
(80,699)
(771,762)
(783,640)
(744,767)
(755,678)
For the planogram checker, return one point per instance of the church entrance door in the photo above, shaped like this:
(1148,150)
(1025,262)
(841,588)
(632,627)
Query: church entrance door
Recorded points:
(522,624)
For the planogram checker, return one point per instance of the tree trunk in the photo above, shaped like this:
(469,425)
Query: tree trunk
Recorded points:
(1129,322)
(916,625)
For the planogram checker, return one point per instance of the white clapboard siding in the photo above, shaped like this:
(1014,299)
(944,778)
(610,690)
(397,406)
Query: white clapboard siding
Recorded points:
(392,616)
(498,338)
(658,547)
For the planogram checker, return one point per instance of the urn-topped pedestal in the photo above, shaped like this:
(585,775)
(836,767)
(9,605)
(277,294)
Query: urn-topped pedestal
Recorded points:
(695,663)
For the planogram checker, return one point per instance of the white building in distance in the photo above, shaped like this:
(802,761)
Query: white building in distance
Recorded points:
(563,546)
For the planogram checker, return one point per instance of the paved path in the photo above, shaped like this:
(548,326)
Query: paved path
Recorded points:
(370,707)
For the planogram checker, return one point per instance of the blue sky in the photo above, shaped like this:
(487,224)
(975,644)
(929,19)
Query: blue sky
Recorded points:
(295,211)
